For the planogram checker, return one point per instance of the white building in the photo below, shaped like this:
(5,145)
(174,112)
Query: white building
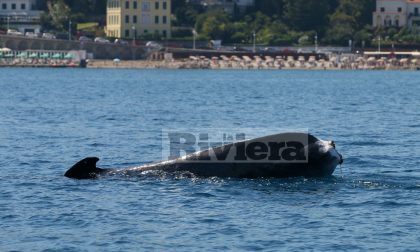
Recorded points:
(20,15)
(396,13)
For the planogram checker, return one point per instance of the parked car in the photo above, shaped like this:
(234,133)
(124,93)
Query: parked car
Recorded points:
(120,42)
(101,40)
(85,39)
(14,32)
(47,35)
(154,45)
(31,34)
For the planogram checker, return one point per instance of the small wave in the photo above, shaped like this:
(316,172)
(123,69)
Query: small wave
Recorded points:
(369,143)
(203,195)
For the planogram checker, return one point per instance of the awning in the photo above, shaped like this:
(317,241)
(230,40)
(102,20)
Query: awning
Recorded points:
(69,56)
(22,55)
(56,56)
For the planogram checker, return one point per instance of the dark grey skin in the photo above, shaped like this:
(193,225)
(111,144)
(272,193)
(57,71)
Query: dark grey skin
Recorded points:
(319,158)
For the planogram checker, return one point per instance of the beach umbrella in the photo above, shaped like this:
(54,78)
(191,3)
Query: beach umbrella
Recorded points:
(68,56)
(33,55)
(371,59)
(116,60)
(5,49)
(9,55)
(44,55)
(360,59)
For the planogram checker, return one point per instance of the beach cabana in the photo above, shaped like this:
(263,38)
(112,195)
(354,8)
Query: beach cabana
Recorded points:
(57,56)
(9,55)
(44,56)
(68,56)
(22,55)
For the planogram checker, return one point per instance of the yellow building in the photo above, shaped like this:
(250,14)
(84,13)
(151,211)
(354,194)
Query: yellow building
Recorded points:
(133,18)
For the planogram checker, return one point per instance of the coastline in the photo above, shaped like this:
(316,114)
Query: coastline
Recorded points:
(239,65)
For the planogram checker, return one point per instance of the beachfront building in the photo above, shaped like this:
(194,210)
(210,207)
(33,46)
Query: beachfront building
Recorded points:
(134,18)
(20,15)
(397,13)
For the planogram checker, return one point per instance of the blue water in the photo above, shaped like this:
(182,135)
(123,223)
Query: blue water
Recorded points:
(51,118)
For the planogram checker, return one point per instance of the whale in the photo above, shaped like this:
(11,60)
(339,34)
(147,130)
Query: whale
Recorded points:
(282,155)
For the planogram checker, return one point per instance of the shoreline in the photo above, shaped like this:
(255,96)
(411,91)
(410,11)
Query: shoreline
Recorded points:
(235,65)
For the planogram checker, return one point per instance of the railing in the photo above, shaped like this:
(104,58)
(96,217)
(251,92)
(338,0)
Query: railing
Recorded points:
(19,19)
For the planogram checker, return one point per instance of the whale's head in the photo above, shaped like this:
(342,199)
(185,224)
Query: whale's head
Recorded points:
(323,156)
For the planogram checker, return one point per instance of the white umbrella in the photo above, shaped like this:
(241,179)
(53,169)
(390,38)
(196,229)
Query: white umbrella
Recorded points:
(371,59)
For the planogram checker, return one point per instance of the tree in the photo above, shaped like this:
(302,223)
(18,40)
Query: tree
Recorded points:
(306,15)
(213,24)
(270,7)
(57,17)
(348,20)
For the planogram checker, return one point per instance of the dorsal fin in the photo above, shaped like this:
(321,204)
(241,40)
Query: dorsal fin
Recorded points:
(84,169)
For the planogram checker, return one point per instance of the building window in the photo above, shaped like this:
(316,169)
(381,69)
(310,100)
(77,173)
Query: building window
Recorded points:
(164,20)
(135,19)
(146,19)
(164,5)
(127,19)
(145,31)
(157,5)
(145,6)
(397,22)
(382,9)
(164,33)
(156,19)
(135,5)
(4,6)
(127,4)
(23,6)
(13,6)
(416,11)
(399,9)
(127,33)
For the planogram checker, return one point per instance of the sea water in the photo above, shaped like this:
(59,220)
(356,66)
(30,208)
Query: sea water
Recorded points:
(51,118)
